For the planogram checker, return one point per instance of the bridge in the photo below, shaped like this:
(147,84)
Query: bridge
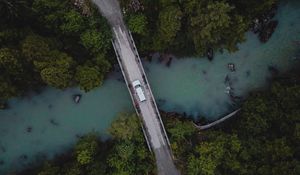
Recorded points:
(132,69)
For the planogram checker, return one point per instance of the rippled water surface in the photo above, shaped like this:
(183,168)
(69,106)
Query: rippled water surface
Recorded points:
(48,123)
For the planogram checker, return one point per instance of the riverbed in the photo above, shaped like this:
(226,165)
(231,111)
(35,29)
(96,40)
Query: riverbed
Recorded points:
(48,123)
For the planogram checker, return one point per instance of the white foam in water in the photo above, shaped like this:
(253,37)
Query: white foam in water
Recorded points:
(183,88)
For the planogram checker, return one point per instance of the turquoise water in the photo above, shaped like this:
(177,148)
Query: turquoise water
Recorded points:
(56,121)
(196,86)
(191,85)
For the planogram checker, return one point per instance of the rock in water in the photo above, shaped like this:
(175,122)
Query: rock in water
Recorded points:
(231,67)
(3,105)
(168,64)
(77,98)
(210,54)
(267,31)
(29,129)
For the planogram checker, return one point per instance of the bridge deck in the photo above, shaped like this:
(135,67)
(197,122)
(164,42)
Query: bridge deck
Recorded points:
(132,69)
(154,130)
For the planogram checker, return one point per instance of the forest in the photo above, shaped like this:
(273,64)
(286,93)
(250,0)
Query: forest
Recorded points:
(62,43)
(191,27)
(51,43)
(262,139)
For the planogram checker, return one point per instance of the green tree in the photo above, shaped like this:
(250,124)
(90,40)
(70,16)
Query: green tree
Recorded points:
(138,24)
(86,149)
(73,169)
(181,134)
(57,77)
(50,13)
(11,10)
(125,127)
(35,47)
(7,89)
(219,150)
(169,23)
(88,77)
(95,41)
(130,148)
(73,22)
(49,169)
(9,61)
(207,23)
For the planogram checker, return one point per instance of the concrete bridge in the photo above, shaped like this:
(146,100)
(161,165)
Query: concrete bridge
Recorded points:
(132,69)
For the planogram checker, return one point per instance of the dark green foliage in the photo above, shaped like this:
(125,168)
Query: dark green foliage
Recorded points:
(137,23)
(95,41)
(56,77)
(217,152)
(125,154)
(35,48)
(86,149)
(88,77)
(9,62)
(192,26)
(49,44)
(182,134)
(130,155)
(74,22)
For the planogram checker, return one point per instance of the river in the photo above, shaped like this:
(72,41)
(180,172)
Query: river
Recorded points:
(48,123)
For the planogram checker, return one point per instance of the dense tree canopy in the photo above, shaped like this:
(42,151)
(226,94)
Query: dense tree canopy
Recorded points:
(52,43)
(88,77)
(192,26)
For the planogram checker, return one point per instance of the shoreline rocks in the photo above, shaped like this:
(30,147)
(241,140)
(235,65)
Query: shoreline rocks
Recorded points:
(264,26)
(268,31)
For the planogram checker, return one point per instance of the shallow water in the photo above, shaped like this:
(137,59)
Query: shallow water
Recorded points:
(191,85)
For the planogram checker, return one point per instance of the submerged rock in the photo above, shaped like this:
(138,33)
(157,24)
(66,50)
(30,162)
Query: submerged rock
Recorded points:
(231,67)
(267,31)
(264,26)
(53,122)
(23,157)
(168,64)
(3,105)
(29,129)
(248,73)
(50,106)
(77,98)
(210,54)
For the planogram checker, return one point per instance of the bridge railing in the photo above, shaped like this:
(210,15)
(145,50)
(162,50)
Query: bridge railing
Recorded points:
(125,75)
(151,94)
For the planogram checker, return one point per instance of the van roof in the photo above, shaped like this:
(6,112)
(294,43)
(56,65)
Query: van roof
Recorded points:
(136,83)
(140,94)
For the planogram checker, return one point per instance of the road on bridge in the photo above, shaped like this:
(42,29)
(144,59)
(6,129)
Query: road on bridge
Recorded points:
(132,69)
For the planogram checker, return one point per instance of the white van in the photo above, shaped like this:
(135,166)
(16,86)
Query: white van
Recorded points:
(138,89)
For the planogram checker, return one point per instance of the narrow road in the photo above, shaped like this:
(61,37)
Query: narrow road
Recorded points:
(132,69)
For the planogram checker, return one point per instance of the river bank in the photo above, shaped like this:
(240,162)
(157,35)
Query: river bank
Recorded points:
(191,85)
